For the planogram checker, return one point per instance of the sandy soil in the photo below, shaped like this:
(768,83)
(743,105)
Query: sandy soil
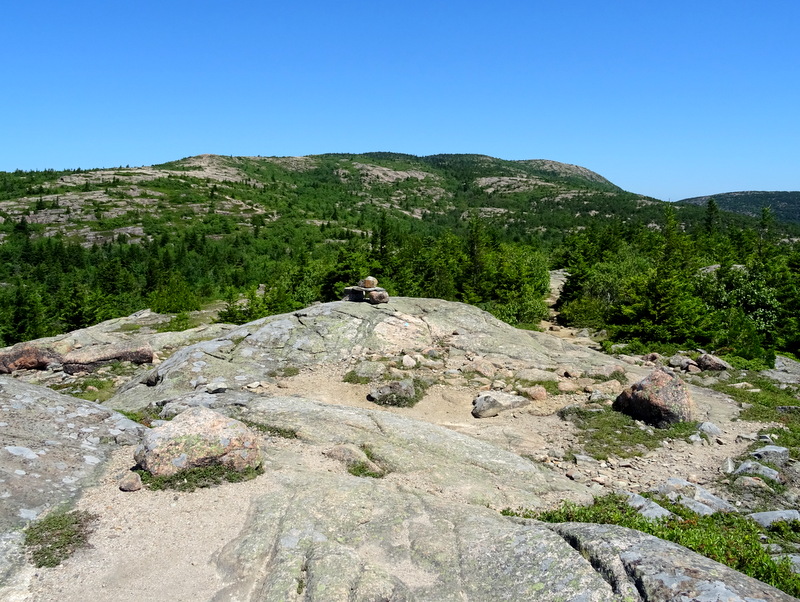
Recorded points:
(162,546)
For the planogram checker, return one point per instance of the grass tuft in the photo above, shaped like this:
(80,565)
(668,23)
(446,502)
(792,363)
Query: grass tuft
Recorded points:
(269,429)
(605,432)
(354,379)
(56,537)
(198,478)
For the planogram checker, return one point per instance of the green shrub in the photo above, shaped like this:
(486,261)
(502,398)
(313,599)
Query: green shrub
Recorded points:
(605,432)
(269,429)
(729,538)
(354,379)
(56,537)
(200,477)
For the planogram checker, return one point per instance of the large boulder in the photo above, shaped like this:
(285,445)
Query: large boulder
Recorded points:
(711,362)
(89,358)
(660,399)
(26,356)
(195,438)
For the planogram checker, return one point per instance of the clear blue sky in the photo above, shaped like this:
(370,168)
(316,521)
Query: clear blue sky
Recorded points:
(669,99)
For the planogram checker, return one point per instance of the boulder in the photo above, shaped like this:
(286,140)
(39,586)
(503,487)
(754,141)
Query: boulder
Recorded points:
(493,403)
(710,429)
(25,356)
(396,393)
(756,468)
(534,393)
(772,453)
(694,497)
(765,519)
(198,437)
(90,358)
(660,399)
(711,362)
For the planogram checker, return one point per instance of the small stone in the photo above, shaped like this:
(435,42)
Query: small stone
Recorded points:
(535,393)
(409,362)
(130,482)
(728,466)
(709,428)
(576,476)
(752,483)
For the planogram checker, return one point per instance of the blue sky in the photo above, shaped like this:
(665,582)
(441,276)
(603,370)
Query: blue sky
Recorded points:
(669,99)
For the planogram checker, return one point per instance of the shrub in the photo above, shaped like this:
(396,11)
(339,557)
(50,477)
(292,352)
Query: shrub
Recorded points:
(57,536)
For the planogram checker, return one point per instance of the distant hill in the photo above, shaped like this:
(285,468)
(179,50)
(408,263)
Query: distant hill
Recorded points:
(785,205)
(331,197)
(338,192)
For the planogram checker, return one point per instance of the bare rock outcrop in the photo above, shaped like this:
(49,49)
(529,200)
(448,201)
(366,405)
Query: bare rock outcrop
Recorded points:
(341,332)
(660,399)
(51,446)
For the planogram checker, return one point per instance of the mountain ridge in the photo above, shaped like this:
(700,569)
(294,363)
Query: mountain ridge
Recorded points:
(785,205)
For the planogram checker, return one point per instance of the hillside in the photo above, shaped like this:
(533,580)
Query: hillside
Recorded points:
(340,191)
(785,206)
(81,246)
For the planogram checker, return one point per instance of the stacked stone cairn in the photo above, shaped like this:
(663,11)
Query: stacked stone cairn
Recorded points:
(366,290)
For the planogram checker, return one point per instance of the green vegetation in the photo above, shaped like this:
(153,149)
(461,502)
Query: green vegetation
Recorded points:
(286,232)
(367,469)
(731,290)
(177,323)
(354,379)
(95,389)
(194,478)
(604,432)
(768,402)
(269,429)
(286,372)
(405,401)
(729,538)
(56,537)
(145,416)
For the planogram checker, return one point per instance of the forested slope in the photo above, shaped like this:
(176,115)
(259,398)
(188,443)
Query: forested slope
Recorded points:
(82,246)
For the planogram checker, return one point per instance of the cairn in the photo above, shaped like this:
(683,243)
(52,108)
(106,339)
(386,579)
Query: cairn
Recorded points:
(366,290)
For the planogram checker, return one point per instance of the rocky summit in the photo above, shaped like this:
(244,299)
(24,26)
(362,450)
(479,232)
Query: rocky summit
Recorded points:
(358,500)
